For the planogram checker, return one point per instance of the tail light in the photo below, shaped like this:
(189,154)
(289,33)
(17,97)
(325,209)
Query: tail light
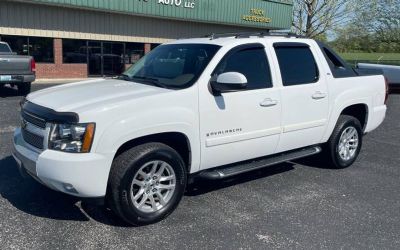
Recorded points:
(33,65)
(387,90)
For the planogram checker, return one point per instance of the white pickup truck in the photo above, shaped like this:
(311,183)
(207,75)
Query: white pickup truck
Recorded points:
(205,109)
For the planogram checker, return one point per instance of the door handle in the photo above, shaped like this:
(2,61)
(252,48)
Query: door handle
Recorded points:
(318,95)
(268,102)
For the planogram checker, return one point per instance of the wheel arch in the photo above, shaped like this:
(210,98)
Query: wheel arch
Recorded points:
(176,140)
(357,109)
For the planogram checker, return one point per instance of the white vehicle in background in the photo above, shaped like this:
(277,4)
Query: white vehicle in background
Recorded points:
(196,109)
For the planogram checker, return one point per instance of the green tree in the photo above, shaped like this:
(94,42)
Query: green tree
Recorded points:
(381,19)
(353,38)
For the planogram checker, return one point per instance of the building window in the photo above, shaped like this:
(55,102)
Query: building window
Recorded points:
(133,52)
(74,51)
(40,48)
(18,44)
(113,58)
(154,45)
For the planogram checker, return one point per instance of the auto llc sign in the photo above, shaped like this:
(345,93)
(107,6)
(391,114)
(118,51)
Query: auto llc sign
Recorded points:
(177,3)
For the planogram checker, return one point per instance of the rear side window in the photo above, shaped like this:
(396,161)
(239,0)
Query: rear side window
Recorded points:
(297,64)
(339,68)
(332,59)
(252,63)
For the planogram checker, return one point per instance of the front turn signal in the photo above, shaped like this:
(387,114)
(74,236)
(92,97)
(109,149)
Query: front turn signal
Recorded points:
(88,138)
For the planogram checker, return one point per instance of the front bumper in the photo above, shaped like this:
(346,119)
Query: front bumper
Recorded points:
(81,175)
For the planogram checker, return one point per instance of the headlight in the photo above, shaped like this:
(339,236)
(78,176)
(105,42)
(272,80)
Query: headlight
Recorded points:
(74,138)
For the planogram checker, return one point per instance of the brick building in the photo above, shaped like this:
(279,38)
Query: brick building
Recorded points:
(80,38)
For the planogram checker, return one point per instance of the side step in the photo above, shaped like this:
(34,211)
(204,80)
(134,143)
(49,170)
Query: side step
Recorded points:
(247,166)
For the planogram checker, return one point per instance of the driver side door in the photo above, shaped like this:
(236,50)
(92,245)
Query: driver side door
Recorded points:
(244,124)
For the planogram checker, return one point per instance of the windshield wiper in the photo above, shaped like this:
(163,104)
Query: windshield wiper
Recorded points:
(151,80)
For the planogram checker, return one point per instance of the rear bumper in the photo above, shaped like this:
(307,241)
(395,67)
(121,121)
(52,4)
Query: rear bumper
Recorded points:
(81,175)
(375,118)
(18,78)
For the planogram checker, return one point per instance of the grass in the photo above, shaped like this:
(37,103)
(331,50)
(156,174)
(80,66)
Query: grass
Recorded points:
(379,58)
(371,56)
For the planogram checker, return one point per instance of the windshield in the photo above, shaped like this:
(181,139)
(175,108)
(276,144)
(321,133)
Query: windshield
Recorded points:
(175,66)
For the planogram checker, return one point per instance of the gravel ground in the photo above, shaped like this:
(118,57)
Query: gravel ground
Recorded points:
(289,206)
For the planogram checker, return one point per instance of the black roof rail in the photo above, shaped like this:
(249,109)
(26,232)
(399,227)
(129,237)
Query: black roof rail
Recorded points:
(249,34)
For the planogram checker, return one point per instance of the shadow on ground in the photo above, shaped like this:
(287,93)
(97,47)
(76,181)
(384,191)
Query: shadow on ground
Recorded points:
(28,196)
(7,91)
(316,161)
(201,187)
(31,197)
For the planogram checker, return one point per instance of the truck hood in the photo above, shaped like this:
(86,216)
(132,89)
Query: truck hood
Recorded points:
(80,96)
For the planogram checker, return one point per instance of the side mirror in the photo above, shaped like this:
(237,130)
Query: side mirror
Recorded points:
(228,82)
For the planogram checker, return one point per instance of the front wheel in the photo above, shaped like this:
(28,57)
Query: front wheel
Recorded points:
(345,143)
(146,183)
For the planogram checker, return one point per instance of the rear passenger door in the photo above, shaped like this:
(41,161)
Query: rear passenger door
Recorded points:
(244,124)
(304,96)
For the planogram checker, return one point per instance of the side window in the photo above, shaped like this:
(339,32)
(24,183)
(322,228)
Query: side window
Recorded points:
(297,64)
(252,63)
(332,59)
(339,68)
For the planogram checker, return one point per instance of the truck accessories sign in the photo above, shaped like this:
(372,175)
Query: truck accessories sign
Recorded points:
(256,15)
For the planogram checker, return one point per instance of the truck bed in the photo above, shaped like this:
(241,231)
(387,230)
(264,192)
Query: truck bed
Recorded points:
(11,64)
(392,74)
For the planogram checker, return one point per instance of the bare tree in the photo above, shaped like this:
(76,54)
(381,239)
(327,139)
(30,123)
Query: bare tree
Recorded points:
(314,18)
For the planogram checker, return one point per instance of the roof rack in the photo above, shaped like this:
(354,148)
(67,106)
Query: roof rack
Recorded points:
(249,34)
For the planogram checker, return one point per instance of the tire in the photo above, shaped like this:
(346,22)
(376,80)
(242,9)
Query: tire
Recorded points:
(337,158)
(126,196)
(24,88)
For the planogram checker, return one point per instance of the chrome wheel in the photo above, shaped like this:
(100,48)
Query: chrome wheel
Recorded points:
(153,186)
(348,143)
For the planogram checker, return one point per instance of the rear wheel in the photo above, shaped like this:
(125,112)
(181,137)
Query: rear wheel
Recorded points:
(146,183)
(24,88)
(345,143)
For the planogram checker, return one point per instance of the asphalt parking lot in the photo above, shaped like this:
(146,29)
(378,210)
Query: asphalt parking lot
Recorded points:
(289,206)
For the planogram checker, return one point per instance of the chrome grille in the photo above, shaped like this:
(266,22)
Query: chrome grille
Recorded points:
(41,123)
(32,139)
(33,129)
